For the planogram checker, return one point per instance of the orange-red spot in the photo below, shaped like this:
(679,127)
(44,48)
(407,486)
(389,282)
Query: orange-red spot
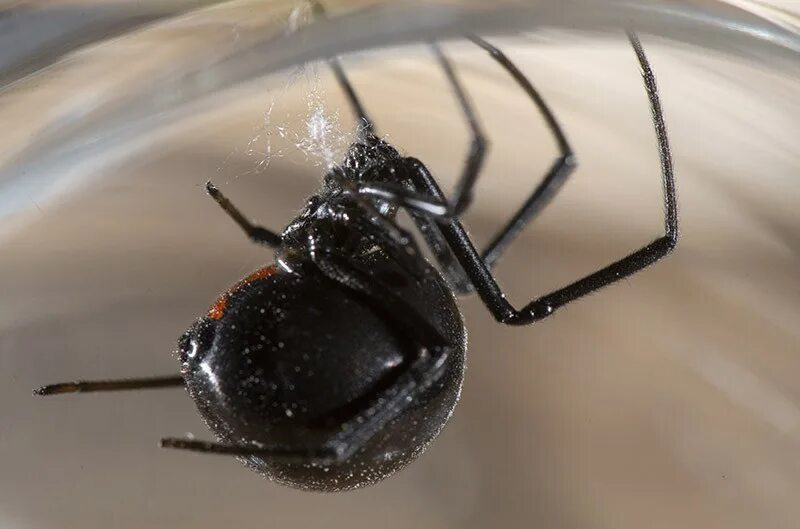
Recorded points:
(217,310)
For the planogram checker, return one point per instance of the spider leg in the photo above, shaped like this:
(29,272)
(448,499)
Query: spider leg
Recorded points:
(483,280)
(547,188)
(425,211)
(462,196)
(367,126)
(276,452)
(356,432)
(369,221)
(416,204)
(558,173)
(425,370)
(540,197)
(403,197)
(404,250)
(110,385)
(256,233)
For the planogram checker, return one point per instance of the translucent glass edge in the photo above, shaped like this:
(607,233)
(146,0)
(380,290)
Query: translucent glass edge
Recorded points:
(710,24)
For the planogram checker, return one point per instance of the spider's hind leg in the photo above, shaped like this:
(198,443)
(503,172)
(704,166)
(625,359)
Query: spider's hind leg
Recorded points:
(432,228)
(462,196)
(483,280)
(552,181)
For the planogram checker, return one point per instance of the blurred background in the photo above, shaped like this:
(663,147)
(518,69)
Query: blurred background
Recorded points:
(669,400)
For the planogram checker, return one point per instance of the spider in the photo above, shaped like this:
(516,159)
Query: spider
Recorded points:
(337,365)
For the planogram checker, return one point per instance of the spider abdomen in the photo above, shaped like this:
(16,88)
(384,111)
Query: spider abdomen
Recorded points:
(295,355)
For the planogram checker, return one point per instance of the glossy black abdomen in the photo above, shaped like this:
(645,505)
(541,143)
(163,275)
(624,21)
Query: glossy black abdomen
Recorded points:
(287,358)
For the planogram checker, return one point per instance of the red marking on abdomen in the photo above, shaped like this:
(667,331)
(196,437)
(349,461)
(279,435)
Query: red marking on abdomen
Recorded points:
(217,310)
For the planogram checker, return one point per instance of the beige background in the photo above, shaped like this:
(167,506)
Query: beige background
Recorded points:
(669,400)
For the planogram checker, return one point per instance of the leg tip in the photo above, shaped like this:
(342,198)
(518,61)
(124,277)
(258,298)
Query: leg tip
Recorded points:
(180,443)
(55,389)
(173,442)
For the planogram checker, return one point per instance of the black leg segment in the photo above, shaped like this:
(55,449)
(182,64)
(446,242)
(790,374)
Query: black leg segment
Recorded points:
(478,272)
(256,233)
(366,125)
(110,385)
(647,255)
(462,195)
(559,172)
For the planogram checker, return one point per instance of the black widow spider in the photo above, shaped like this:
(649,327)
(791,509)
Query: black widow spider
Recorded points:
(339,364)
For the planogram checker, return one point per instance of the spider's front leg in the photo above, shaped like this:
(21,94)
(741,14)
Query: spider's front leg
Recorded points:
(257,234)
